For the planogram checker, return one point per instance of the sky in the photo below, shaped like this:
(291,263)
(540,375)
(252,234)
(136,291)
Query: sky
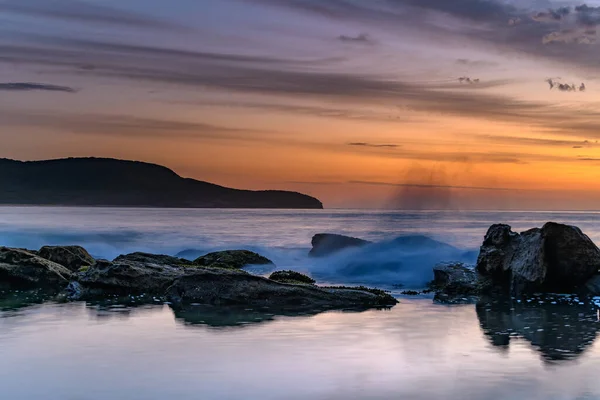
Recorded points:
(413,104)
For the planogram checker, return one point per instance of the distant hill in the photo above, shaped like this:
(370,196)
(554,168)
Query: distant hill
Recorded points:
(110,182)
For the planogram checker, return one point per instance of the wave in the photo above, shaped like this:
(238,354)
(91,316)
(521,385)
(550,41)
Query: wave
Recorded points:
(405,261)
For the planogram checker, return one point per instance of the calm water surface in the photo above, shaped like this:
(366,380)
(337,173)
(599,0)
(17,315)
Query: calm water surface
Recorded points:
(417,350)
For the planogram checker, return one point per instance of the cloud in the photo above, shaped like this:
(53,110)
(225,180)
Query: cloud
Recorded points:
(121,125)
(291,78)
(475,63)
(363,38)
(535,142)
(551,15)
(30,86)
(83,12)
(427,186)
(365,144)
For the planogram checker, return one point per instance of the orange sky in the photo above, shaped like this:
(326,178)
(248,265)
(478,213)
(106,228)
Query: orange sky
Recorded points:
(265,95)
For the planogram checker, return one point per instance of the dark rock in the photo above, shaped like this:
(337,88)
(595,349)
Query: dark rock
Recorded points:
(231,287)
(554,258)
(127,277)
(410,293)
(592,286)
(291,277)
(231,259)
(147,258)
(21,269)
(71,257)
(456,283)
(324,244)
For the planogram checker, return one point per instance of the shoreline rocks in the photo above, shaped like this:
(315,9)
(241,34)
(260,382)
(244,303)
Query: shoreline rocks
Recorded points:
(22,269)
(214,279)
(554,258)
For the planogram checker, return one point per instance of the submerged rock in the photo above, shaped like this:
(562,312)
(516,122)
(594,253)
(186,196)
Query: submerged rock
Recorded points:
(556,258)
(324,244)
(231,259)
(21,269)
(71,257)
(291,277)
(218,286)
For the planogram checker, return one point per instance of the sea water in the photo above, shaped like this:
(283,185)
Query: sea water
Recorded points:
(416,350)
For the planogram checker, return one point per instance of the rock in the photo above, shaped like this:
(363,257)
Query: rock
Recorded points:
(456,283)
(324,244)
(21,269)
(592,286)
(217,286)
(125,276)
(554,258)
(291,277)
(71,257)
(231,259)
(147,258)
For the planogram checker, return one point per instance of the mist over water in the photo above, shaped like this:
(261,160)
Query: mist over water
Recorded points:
(282,235)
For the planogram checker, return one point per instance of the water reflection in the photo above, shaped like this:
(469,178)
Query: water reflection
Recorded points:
(222,317)
(560,329)
(14,300)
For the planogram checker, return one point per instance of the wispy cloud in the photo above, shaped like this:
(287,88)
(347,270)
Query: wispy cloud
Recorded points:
(83,12)
(30,86)
(362,38)
(376,145)
(427,186)
(122,125)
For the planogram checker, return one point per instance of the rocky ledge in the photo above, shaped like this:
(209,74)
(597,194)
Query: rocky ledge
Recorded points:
(213,279)
(556,258)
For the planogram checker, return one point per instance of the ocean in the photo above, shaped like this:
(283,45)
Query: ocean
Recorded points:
(416,350)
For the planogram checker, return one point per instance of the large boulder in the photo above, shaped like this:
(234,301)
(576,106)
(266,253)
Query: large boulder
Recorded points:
(71,257)
(219,286)
(556,258)
(124,276)
(21,269)
(235,259)
(324,244)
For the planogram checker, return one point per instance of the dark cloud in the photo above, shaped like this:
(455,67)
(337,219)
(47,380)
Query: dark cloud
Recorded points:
(551,15)
(30,86)
(508,27)
(475,63)
(363,38)
(365,144)
(300,79)
(83,12)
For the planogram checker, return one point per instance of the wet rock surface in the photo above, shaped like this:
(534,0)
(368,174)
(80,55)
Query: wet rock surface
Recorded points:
(71,257)
(143,277)
(21,269)
(324,244)
(554,258)
(231,259)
